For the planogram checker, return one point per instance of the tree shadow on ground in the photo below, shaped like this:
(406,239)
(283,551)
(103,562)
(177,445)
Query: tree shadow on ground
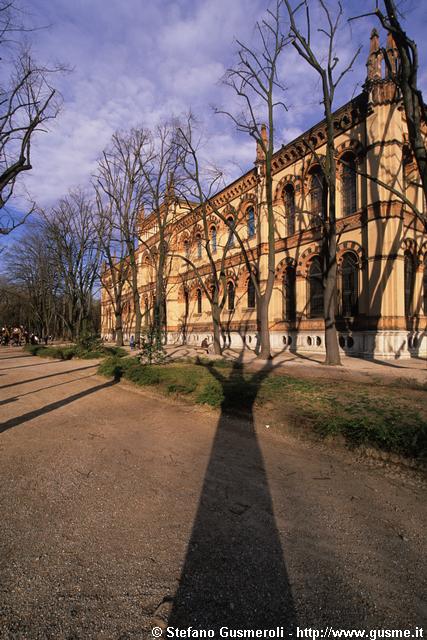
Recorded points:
(50,375)
(33,364)
(234,572)
(31,415)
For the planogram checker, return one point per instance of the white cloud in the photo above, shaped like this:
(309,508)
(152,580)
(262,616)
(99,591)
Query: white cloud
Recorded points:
(140,62)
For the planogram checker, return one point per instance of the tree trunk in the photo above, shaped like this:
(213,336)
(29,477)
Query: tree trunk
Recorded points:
(330,301)
(138,322)
(330,242)
(264,331)
(216,318)
(119,329)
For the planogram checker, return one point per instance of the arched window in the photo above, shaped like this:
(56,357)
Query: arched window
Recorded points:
(289,295)
(199,245)
(186,303)
(199,300)
(251,294)
(425,286)
(409,276)
(251,222)
(213,239)
(348,183)
(289,197)
(318,194)
(349,288)
(146,312)
(230,227)
(186,248)
(315,288)
(230,296)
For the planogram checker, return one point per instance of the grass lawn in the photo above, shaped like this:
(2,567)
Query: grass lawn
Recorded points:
(386,417)
(363,414)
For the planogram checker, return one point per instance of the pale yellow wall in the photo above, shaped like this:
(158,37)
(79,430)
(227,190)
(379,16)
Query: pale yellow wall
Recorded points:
(381,231)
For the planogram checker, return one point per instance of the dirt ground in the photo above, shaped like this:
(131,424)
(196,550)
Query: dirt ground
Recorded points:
(122,510)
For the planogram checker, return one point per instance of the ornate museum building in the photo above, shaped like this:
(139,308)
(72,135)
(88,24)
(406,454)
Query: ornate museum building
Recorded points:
(381,255)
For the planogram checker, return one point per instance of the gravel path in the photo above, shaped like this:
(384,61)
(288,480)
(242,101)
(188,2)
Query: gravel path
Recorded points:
(120,510)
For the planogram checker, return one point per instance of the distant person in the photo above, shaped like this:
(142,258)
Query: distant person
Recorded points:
(132,343)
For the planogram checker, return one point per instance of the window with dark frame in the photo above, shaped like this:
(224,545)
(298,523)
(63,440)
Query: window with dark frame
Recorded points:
(251,222)
(289,294)
(146,312)
(199,300)
(317,195)
(186,303)
(251,294)
(349,285)
(230,227)
(213,239)
(289,197)
(230,296)
(348,183)
(409,276)
(315,288)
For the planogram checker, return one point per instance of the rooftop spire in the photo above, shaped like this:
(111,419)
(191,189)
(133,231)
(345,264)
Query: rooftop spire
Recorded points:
(375,57)
(392,56)
(260,154)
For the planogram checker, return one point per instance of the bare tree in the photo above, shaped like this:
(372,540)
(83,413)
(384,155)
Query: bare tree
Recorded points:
(115,265)
(159,168)
(70,234)
(27,102)
(35,275)
(255,79)
(121,188)
(330,77)
(198,188)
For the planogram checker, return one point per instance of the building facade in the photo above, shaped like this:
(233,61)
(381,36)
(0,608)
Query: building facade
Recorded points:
(382,245)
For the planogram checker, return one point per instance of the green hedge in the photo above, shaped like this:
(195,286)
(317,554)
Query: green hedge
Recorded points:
(73,351)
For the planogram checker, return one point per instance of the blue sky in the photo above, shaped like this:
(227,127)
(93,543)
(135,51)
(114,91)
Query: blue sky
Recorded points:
(139,62)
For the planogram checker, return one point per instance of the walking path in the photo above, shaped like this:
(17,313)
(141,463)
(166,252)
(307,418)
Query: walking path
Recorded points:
(121,510)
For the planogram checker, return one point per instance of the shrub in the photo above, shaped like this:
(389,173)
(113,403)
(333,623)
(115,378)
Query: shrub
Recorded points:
(111,368)
(211,393)
(143,375)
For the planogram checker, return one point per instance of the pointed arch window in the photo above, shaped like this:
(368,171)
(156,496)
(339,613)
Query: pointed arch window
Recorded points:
(146,312)
(318,194)
(315,285)
(251,294)
(186,303)
(230,227)
(251,221)
(349,286)
(199,245)
(289,294)
(409,275)
(230,296)
(214,244)
(186,248)
(289,197)
(348,183)
(199,300)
